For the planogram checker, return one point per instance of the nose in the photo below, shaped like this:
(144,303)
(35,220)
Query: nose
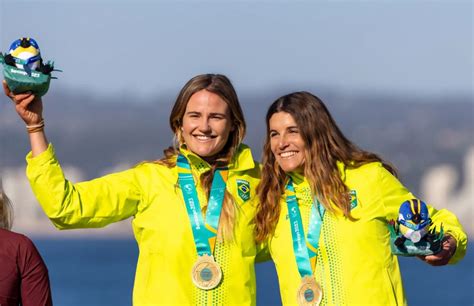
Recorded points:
(283,142)
(204,126)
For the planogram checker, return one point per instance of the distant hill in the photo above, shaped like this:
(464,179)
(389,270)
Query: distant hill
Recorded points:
(413,132)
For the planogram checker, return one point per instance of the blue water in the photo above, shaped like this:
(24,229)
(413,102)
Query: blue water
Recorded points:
(100,273)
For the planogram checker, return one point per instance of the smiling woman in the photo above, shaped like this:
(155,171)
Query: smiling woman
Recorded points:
(193,210)
(332,202)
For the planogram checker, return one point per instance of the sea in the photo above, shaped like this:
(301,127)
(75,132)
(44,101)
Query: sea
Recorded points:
(100,272)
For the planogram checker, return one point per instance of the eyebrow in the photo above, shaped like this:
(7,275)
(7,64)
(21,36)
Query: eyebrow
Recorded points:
(211,114)
(288,127)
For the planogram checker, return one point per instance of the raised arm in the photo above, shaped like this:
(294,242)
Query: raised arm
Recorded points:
(88,204)
(30,110)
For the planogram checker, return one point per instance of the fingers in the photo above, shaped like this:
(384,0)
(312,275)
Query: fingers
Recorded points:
(6,89)
(442,258)
(27,105)
(18,98)
(25,112)
(21,98)
(5,86)
(24,101)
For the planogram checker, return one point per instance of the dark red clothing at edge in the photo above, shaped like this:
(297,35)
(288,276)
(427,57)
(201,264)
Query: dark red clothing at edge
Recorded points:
(23,275)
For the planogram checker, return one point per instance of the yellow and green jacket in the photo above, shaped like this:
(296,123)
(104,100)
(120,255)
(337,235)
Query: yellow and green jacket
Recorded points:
(354,264)
(150,194)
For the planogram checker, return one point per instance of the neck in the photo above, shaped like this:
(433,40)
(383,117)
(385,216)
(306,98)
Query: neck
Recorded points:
(211,160)
(220,159)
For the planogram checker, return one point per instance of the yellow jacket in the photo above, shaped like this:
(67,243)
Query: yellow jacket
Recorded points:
(149,192)
(354,264)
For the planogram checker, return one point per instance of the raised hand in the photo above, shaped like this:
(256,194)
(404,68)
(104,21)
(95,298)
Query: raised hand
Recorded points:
(28,107)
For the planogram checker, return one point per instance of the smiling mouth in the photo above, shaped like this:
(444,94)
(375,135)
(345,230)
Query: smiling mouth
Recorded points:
(288,154)
(204,137)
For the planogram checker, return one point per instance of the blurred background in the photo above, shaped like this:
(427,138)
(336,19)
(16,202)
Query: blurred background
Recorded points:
(396,75)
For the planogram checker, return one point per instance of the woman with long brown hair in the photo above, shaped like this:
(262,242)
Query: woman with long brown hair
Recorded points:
(192,210)
(324,210)
(24,277)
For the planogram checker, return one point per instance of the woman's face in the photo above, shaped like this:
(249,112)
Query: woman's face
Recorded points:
(286,142)
(206,124)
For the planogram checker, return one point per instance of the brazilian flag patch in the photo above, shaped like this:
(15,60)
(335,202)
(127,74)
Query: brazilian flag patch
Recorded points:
(243,189)
(353,195)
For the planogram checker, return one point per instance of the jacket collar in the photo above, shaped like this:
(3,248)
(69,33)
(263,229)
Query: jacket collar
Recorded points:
(302,186)
(301,183)
(299,179)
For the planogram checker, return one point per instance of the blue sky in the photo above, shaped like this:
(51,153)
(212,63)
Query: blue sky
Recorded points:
(145,47)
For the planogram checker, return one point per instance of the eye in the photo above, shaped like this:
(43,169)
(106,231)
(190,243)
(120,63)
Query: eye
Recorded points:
(293,131)
(217,117)
(273,134)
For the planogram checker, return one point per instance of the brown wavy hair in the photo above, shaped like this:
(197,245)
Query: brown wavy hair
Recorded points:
(6,211)
(221,86)
(325,146)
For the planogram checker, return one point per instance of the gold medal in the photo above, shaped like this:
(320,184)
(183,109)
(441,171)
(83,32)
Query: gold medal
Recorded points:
(206,273)
(309,292)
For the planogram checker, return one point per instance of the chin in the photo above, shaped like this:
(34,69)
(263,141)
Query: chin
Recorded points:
(205,152)
(286,167)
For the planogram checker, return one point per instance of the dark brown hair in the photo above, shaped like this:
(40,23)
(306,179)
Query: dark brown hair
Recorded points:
(325,144)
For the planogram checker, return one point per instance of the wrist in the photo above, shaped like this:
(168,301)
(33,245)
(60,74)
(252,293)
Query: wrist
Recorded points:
(34,128)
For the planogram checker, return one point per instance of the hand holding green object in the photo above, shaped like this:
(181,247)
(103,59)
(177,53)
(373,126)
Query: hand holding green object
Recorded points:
(28,106)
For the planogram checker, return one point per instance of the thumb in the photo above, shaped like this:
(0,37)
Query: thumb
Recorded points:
(6,89)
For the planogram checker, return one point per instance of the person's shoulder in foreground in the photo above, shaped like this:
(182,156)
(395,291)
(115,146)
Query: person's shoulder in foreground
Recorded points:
(23,275)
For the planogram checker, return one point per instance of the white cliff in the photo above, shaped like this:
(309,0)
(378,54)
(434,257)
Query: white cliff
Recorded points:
(439,188)
(29,217)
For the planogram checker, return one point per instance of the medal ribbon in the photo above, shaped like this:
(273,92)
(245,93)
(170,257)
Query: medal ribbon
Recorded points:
(305,249)
(204,232)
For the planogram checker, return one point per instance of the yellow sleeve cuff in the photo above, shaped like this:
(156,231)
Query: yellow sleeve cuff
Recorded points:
(42,158)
